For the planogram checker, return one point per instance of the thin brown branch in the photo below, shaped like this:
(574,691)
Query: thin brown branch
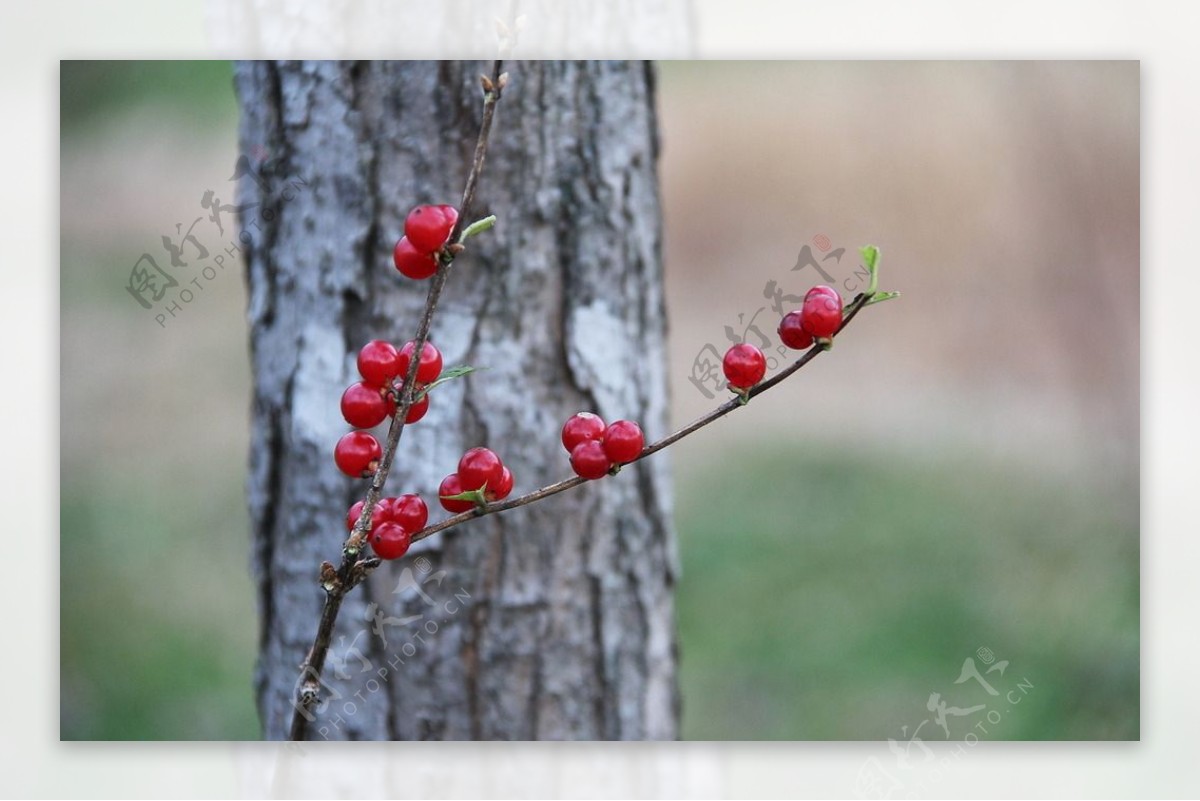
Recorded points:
(405,401)
(352,570)
(725,408)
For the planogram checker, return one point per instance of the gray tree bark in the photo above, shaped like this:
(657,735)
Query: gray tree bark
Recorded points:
(552,621)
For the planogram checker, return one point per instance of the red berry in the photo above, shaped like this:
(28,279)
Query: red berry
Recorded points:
(417,410)
(451,485)
(822,312)
(363,405)
(792,334)
(390,540)
(412,263)
(428,227)
(353,515)
(502,488)
(380,515)
(744,365)
(479,467)
(383,512)
(821,289)
(589,461)
(409,511)
(431,362)
(378,362)
(582,427)
(623,441)
(357,454)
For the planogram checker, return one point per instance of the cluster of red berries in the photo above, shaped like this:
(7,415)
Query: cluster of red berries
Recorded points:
(479,470)
(426,230)
(595,447)
(393,522)
(819,318)
(383,367)
(367,403)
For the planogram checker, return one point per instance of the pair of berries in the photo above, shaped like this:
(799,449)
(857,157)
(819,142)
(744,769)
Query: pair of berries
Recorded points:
(369,402)
(480,471)
(819,318)
(393,522)
(595,447)
(426,230)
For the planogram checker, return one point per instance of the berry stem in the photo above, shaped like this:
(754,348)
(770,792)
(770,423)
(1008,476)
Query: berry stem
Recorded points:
(354,569)
(734,403)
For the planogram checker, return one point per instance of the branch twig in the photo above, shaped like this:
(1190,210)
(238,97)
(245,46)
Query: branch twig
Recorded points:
(353,570)
(725,408)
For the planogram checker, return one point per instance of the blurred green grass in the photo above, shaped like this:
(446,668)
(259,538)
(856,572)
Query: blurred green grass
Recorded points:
(157,616)
(189,92)
(826,594)
(157,624)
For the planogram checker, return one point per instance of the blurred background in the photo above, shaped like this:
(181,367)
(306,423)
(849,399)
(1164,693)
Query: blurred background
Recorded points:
(957,481)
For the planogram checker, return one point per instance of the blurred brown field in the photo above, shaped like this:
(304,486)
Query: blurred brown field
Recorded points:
(960,472)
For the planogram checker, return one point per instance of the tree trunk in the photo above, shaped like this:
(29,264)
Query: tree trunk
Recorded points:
(552,621)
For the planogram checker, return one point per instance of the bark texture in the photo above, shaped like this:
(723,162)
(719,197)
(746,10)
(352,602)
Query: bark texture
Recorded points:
(553,621)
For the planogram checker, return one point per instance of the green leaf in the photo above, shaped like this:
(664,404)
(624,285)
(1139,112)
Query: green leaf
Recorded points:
(456,372)
(474,496)
(880,297)
(870,257)
(477,227)
(449,374)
